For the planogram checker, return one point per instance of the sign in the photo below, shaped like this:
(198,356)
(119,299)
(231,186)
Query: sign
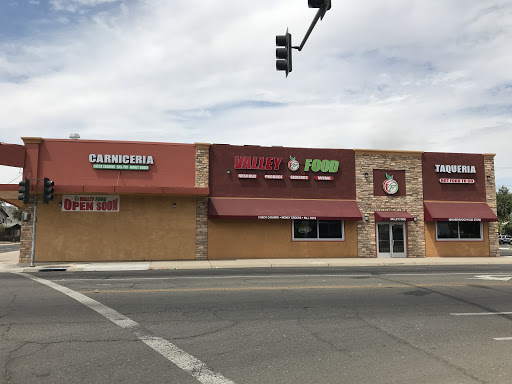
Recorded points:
(389,185)
(90,203)
(286,218)
(274,177)
(293,177)
(464,219)
(316,165)
(442,168)
(325,178)
(247,176)
(121,162)
(265,163)
(397,219)
(457,181)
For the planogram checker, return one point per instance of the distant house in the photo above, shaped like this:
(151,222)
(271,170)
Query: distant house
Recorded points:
(3,215)
(11,227)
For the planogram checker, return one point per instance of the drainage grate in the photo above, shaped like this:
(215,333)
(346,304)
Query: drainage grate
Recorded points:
(53,269)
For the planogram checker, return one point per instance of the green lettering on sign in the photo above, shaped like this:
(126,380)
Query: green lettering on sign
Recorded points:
(123,167)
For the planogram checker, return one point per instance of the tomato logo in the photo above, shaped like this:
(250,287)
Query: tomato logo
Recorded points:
(293,164)
(389,185)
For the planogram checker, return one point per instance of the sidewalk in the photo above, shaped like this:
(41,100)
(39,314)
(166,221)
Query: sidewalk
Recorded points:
(9,263)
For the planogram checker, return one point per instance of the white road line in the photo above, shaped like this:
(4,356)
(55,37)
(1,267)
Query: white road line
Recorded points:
(171,352)
(502,338)
(481,314)
(270,276)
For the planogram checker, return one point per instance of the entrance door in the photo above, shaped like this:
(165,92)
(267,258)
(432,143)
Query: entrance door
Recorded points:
(391,240)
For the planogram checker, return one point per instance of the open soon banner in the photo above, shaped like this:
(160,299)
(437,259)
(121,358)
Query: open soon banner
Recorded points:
(90,203)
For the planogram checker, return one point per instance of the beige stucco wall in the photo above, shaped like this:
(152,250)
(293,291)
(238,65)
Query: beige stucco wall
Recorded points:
(145,228)
(252,239)
(410,162)
(455,248)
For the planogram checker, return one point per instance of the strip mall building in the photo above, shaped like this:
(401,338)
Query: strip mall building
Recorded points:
(160,201)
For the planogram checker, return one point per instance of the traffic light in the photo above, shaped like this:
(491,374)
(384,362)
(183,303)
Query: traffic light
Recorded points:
(319,4)
(47,190)
(284,55)
(24,190)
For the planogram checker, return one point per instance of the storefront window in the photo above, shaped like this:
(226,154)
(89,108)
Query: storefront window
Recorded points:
(459,230)
(310,230)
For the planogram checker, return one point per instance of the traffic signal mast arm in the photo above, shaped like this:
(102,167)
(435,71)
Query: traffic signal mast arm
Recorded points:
(323,6)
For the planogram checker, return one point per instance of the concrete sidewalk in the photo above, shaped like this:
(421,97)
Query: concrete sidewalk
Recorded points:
(9,263)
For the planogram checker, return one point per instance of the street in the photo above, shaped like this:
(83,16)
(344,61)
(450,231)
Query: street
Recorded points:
(420,324)
(9,247)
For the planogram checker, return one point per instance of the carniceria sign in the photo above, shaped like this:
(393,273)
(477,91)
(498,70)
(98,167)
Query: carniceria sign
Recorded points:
(121,162)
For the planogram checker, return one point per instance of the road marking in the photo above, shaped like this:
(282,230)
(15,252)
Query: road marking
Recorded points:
(265,276)
(493,277)
(301,287)
(502,338)
(481,313)
(171,352)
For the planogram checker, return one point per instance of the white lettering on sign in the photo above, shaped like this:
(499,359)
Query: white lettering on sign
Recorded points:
(442,168)
(457,181)
(325,178)
(90,203)
(287,217)
(247,176)
(274,177)
(293,177)
(398,219)
(464,219)
(121,159)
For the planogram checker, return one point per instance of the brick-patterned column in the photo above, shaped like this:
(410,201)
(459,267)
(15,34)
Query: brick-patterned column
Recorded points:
(490,191)
(202,177)
(26,235)
(366,162)
(202,228)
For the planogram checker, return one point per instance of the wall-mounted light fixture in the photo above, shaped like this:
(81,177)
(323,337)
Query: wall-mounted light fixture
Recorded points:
(60,204)
(415,219)
(228,171)
(366,176)
(174,205)
(366,218)
(488,178)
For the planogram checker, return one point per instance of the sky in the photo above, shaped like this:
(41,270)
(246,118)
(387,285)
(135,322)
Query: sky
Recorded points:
(416,75)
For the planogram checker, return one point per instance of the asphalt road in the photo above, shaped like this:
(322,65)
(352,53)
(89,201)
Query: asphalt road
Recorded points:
(419,324)
(9,247)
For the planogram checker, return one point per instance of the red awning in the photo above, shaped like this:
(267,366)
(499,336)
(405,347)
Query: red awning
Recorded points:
(283,209)
(393,216)
(440,211)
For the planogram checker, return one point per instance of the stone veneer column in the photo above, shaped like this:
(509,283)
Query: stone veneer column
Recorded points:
(202,174)
(366,162)
(26,235)
(490,191)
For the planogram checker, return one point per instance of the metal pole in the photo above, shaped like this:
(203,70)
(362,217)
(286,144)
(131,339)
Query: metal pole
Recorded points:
(34,231)
(320,13)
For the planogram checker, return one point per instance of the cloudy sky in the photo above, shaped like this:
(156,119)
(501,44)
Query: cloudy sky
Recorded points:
(430,75)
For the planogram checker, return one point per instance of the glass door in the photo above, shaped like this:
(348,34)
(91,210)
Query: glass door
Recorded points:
(391,240)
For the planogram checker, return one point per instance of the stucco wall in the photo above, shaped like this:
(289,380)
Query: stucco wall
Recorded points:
(145,228)
(455,248)
(253,239)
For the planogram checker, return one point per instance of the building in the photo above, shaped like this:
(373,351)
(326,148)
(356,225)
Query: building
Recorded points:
(160,201)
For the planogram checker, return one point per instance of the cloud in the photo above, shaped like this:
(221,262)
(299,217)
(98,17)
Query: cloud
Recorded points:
(413,75)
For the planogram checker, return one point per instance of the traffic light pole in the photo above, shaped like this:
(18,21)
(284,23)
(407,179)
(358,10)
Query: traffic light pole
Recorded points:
(319,14)
(32,253)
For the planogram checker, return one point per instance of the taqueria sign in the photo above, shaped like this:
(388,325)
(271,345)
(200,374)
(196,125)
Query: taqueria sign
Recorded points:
(90,203)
